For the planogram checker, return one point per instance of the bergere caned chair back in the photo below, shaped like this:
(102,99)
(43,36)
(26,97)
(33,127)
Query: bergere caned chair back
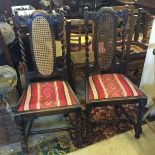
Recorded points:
(104,37)
(42,40)
(43,45)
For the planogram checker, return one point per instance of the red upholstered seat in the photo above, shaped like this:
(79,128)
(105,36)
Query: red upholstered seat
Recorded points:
(45,95)
(103,86)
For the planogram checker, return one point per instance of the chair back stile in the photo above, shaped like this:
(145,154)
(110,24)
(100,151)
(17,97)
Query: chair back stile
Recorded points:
(131,33)
(127,29)
(63,42)
(68,48)
(86,20)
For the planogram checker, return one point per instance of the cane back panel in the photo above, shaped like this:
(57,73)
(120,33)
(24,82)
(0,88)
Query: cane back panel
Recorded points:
(105,34)
(104,37)
(42,42)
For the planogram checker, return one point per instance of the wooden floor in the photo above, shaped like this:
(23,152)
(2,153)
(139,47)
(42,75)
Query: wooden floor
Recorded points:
(123,144)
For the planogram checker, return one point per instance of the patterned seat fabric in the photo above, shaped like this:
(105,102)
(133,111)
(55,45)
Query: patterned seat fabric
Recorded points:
(103,86)
(45,95)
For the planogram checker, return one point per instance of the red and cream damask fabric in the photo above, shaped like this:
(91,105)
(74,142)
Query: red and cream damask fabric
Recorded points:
(46,95)
(103,86)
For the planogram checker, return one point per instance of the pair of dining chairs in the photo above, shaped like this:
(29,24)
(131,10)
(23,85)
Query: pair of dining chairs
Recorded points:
(49,93)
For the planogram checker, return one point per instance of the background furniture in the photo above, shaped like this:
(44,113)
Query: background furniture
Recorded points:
(9,133)
(148,5)
(8,80)
(77,6)
(133,52)
(6,5)
(75,44)
(6,52)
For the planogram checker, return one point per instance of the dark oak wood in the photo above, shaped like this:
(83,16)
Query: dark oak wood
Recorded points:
(112,16)
(138,24)
(24,119)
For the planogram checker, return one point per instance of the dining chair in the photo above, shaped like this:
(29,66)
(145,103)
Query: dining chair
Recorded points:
(47,92)
(103,86)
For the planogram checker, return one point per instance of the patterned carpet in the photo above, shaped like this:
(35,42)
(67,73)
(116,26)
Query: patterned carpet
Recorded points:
(63,144)
(105,131)
(57,146)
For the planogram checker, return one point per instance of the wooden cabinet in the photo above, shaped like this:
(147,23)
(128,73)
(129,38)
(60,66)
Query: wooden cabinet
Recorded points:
(147,3)
(6,4)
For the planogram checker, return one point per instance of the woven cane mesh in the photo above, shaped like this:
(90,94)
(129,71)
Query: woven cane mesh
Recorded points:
(105,40)
(43,46)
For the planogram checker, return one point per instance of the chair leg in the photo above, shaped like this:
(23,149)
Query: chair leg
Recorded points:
(20,127)
(78,129)
(19,86)
(138,128)
(116,109)
(88,126)
(28,128)
(73,79)
(71,75)
(74,83)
